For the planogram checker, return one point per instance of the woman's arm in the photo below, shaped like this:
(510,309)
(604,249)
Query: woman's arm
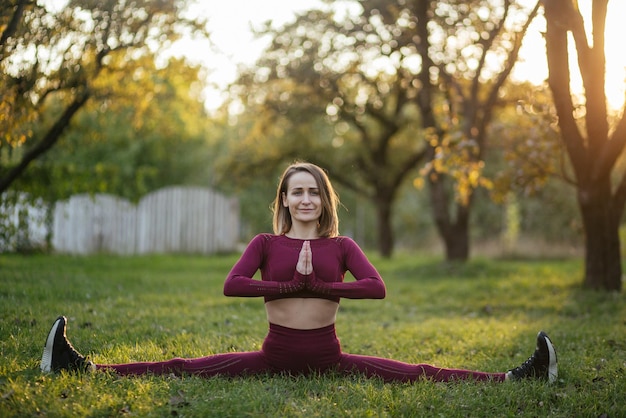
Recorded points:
(239,281)
(366,288)
(368,283)
(247,287)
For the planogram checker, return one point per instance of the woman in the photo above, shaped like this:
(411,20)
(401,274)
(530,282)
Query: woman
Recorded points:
(302,280)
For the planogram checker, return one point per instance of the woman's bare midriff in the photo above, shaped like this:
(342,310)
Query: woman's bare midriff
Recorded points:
(302,313)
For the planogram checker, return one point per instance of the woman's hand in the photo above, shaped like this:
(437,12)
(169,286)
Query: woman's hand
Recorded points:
(305,268)
(305,264)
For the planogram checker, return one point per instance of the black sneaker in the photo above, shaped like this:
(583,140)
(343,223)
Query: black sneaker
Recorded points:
(541,365)
(58,353)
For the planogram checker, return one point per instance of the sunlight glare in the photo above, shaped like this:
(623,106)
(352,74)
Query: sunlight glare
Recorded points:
(230,24)
(615,56)
(533,63)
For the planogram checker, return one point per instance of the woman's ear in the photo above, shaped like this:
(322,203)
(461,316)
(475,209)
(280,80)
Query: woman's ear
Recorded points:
(284,196)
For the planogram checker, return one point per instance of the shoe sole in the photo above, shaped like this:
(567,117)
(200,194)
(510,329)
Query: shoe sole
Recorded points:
(553,364)
(46,358)
(553,367)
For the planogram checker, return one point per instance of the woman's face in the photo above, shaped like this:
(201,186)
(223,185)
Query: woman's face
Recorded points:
(303,198)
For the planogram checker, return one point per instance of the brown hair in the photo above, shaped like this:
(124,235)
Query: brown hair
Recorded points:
(328,225)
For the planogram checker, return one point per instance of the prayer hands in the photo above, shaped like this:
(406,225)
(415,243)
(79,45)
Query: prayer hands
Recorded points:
(305,267)
(305,264)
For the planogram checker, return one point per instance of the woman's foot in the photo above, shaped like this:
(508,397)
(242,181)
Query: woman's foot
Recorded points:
(541,365)
(58,353)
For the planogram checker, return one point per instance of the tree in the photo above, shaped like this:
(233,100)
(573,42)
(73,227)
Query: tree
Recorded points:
(134,145)
(592,144)
(316,95)
(467,50)
(525,162)
(53,61)
(402,83)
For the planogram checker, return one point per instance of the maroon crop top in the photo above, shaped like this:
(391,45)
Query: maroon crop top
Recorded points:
(276,257)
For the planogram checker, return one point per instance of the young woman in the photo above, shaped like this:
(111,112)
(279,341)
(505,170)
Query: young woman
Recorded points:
(302,281)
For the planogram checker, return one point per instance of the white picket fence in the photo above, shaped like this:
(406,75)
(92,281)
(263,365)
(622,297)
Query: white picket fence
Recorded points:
(171,220)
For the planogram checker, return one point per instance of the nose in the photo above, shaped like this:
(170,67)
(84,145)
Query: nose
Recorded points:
(306,198)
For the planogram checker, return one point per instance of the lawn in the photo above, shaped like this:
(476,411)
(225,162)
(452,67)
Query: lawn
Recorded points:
(483,315)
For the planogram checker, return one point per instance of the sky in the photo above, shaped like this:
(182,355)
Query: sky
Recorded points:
(229,25)
(533,66)
(230,20)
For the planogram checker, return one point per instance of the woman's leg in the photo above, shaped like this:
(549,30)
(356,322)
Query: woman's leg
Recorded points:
(397,371)
(59,354)
(542,364)
(229,364)
(284,350)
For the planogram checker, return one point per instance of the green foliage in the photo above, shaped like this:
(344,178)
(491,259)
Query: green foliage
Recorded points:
(375,93)
(53,60)
(23,222)
(479,315)
(316,95)
(155,134)
(135,146)
(525,149)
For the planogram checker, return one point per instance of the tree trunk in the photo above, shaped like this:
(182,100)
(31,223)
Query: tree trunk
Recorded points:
(455,233)
(603,264)
(385,230)
(457,242)
(594,156)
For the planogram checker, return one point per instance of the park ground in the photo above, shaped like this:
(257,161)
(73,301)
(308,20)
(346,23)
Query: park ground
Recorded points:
(481,315)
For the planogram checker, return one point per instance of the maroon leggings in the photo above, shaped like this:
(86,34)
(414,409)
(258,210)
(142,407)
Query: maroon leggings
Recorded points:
(300,352)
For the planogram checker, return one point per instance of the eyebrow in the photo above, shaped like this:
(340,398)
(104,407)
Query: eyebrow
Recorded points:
(302,188)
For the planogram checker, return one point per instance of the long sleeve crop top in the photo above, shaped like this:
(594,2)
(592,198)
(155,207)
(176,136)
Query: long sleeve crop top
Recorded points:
(276,257)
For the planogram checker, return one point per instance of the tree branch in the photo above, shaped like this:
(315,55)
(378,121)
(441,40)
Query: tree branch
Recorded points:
(51,137)
(11,28)
(512,58)
(486,44)
(557,24)
(492,97)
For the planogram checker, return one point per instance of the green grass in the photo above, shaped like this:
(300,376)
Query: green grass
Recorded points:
(482,316)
